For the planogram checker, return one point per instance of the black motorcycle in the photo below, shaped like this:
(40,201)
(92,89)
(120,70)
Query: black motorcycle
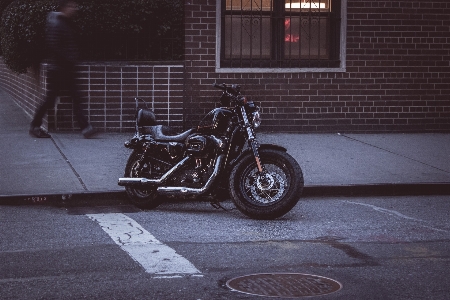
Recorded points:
(218,159)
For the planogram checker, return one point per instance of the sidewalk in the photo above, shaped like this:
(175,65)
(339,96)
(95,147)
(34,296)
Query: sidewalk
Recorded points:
(68,166)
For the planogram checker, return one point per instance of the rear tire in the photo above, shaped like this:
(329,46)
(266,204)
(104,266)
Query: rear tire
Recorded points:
(142,198)
(271,196)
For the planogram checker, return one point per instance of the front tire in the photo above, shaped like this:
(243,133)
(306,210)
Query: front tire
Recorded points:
(268,196)
(145,198)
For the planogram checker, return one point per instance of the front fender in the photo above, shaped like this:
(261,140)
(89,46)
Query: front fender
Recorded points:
(272,146)
(261,147)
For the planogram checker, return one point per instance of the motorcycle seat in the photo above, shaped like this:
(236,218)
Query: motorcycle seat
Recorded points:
(157,133)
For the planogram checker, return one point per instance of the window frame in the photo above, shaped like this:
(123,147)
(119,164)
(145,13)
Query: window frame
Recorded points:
(300,69)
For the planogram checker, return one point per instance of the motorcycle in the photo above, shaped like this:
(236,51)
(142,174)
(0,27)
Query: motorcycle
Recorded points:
(219,159)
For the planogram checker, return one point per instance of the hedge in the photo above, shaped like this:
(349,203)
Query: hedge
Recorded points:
(108,30)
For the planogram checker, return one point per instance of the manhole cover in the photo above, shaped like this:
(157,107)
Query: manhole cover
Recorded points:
(284,285)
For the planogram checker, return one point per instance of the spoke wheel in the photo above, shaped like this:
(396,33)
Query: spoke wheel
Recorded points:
(145,198)
(270,194)
(265,188)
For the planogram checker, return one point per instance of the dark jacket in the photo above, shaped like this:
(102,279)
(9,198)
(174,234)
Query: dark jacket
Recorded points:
(61,42)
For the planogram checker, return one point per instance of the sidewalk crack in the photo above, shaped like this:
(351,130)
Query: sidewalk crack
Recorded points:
(392,152)
(70,165)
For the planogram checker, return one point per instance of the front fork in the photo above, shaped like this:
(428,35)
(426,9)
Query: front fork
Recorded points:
(253,143)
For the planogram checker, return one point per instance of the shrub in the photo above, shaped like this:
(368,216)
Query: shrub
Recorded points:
(22,33)
(131,30)
(3,5)
(108,29)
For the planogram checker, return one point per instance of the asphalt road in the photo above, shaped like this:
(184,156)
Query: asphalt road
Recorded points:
(377,248)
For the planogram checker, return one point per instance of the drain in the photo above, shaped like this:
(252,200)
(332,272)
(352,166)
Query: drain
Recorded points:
(284,285)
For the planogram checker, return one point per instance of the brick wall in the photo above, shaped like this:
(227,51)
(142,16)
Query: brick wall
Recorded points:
(397,74)
(108,92)
(397,78)
(25,89)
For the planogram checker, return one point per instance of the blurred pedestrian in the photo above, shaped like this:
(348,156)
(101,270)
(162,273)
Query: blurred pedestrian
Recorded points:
(61,75)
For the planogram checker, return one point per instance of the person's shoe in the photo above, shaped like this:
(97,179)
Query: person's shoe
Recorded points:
(39,132)
(89,132)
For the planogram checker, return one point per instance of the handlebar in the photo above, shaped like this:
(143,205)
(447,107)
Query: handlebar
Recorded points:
(233,89)
(220,86)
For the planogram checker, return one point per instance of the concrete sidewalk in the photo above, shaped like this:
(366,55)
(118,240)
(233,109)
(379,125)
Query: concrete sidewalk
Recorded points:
(68,166)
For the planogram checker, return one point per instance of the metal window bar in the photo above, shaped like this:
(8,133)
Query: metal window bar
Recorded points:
(257,24)
(312,28)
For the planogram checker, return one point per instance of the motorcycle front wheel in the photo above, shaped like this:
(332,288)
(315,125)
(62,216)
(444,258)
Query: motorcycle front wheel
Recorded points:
(145,198)
(271,194)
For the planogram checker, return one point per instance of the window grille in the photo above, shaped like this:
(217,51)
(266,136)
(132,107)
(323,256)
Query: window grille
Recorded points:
(280,33)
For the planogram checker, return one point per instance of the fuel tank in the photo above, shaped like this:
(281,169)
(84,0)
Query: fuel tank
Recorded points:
(216,122)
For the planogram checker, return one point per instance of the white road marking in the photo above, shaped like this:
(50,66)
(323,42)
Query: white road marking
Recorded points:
(397,214)
(144,248)
(386,211)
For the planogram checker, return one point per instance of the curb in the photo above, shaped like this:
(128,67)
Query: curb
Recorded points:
(111,198)
(105,198)
(382,189)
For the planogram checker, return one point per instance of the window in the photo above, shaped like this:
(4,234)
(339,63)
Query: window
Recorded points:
(280,34)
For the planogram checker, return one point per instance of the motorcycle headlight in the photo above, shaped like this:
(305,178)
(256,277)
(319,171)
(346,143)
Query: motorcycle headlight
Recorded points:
(256,119)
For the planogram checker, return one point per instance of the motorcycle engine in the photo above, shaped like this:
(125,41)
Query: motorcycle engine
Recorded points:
(203,149)
(201,146)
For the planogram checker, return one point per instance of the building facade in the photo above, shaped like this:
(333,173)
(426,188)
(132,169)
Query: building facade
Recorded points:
(324,65)
(314,66)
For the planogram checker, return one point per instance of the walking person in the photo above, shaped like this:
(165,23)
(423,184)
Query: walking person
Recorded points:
(63,55)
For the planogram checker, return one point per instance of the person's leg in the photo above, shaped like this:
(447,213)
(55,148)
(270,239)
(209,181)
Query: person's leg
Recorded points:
(49,102)
(78,110)
(76,100)
(86,129)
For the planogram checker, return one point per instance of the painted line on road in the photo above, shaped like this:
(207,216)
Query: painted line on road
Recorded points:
(143,247)
(397,214)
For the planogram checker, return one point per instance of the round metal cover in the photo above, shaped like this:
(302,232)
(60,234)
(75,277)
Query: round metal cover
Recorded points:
(284,285)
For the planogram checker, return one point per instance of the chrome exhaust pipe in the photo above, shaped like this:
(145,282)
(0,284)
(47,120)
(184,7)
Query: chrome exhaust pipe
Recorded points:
(126,181)
(192,191)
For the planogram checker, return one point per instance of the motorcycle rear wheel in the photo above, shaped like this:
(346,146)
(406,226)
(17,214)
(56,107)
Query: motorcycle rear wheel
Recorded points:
(145,198)
(268,196)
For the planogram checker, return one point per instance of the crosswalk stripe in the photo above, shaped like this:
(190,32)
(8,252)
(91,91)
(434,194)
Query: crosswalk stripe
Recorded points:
(143,247)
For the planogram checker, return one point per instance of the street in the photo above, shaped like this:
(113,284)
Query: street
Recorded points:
(375,247)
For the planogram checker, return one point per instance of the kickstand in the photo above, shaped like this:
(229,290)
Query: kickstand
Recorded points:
(217,205)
